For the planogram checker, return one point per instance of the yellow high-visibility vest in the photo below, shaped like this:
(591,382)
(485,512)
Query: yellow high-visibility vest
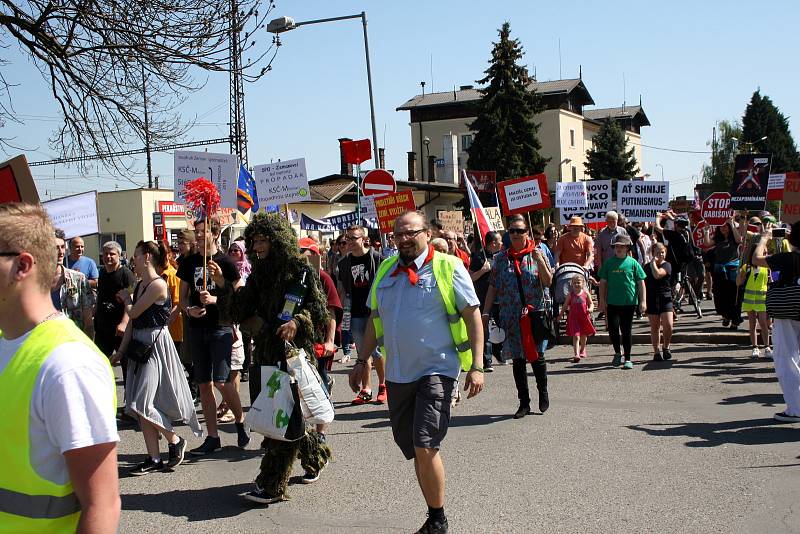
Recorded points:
(28,502)
(443,268)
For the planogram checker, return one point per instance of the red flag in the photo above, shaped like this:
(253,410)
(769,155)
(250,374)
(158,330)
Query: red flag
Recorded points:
(356,152)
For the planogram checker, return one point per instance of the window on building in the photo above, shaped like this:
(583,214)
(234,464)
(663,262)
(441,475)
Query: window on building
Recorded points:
(574,173)
(466,142)
(572,138)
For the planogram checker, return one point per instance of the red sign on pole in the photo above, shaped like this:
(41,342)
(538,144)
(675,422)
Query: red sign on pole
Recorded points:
(716,208)
(390,207)
(356,152)
(791,198)
(378,182)
(525,194)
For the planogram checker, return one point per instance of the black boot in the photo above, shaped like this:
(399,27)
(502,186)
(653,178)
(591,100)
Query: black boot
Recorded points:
(522,411)
(521,381)
(540,372)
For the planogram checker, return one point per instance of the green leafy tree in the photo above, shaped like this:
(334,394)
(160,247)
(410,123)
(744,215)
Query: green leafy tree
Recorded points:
(762,118)
(506,139)
(719,172)
(608,159)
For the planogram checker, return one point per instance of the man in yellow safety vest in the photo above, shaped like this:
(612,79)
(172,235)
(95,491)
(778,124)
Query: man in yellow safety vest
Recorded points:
(59,445)
(425,317)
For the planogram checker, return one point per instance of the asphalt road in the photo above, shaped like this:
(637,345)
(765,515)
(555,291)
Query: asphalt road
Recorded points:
(682,447)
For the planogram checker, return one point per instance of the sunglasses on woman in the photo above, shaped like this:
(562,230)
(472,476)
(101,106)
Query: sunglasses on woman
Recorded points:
(517,230)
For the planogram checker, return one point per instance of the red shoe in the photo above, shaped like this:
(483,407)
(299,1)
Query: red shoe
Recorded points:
(363,397)
(381,398)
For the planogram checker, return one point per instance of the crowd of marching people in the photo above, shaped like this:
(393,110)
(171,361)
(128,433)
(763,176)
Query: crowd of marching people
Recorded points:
(189,323)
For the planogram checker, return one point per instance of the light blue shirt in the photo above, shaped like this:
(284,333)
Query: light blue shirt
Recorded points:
(416,331)
(85,265)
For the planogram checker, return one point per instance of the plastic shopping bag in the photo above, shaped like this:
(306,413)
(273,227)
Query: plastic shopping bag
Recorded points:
(276,413)
(314,401)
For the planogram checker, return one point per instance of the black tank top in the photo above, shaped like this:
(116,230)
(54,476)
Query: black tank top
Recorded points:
(156,316)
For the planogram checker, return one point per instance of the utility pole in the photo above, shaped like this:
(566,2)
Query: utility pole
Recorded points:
(147,131)
(238,128)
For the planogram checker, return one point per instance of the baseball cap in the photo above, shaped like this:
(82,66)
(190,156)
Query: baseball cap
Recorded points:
(306,243)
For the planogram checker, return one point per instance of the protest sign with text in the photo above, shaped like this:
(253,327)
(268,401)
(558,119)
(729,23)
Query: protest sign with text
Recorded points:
(452,221)
(716,209)
(791,198)
(598,197)
(221,169)
(482,181)
(495,218)
(750,181)
(525,194)
(390,207)
(571,195)
(76,214)
(775,186)
(283,182)
(642,201)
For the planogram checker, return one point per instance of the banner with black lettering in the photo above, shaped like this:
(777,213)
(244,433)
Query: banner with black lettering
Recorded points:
(642,201)
(750,181)
(598,199)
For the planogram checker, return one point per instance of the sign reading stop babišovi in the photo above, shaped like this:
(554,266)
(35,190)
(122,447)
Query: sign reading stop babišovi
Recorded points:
(598,203)
(641,201)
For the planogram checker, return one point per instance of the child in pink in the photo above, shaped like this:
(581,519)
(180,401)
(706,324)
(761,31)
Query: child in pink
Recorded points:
(579,306)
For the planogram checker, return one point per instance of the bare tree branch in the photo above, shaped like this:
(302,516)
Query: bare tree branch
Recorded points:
(101,58)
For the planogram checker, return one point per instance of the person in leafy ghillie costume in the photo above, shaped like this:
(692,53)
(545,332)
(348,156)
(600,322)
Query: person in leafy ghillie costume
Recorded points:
(276,266)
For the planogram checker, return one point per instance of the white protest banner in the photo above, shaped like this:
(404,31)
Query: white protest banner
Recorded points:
(221,169)
(368,210)
(283,182)
(642,201)
(775,186)
(452,221)
(495,218)
(598,197)
(571,195)
(76,214)
(525,194)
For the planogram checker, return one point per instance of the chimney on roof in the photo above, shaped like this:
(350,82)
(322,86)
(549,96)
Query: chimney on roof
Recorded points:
(580,72)
(412,166)
(344,167)
(381,158)
(423,88)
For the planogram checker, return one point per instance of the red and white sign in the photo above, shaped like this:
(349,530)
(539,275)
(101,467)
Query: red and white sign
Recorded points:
(378,182)
(791,198)
(482,181)
(716,208)
(391,206)
(171,209)
(525,194)
(775,186)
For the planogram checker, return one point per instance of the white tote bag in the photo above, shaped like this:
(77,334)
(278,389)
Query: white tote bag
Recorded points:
(314,401)
(270,414)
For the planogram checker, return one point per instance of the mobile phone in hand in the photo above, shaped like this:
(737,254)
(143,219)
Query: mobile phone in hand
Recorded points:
(779,232)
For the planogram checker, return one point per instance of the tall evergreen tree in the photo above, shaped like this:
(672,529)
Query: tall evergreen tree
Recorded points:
(608,157)
(506,137)
(719,172)
(763,118)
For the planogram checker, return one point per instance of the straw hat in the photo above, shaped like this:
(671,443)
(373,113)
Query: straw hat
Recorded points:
(575,220)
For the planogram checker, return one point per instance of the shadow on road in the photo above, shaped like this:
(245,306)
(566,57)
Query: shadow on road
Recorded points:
(765,399)
(478,420)
(746,432)
(195,505)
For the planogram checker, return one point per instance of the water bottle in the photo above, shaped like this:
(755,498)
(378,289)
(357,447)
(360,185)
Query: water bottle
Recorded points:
(293,298)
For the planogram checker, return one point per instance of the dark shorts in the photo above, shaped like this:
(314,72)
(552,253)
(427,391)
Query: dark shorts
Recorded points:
(420,412)
(211,353)
(658,304)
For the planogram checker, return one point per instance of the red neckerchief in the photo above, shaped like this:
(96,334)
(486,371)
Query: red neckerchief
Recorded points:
(411,269)
(516,257)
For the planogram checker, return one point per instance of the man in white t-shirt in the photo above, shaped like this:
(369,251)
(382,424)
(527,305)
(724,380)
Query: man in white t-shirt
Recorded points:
(59,445)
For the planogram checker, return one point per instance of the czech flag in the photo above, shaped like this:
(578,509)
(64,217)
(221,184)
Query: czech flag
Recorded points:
(246,197)
(478,212)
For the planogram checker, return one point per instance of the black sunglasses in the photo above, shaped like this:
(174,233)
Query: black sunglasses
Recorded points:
(10,254)
(517,230)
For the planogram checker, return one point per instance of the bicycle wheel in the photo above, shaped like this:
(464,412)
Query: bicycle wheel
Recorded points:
(693,299)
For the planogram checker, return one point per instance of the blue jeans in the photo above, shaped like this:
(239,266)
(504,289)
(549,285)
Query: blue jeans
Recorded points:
(358,325)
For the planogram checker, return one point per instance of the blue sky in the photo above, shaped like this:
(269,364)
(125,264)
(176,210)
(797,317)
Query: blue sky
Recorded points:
(693,63)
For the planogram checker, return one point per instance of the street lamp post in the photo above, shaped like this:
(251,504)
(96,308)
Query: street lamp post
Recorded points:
(662,170)
(284,24)
(427,142)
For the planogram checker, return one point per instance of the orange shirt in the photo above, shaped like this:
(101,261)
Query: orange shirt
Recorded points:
(170,275)
(574,249)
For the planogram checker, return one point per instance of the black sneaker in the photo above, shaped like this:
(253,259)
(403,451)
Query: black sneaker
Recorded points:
(260,496)
(726,323)
(243,438)
(148,466)
(309,478)
(210,445)
(667,354)
(522,411)
(434,526)
(244,376)
(657,357)
(176,453)
(488,369)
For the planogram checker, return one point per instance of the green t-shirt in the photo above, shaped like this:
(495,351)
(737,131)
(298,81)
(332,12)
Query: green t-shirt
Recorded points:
(621,275)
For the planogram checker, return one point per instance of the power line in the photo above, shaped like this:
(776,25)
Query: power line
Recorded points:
(677,150)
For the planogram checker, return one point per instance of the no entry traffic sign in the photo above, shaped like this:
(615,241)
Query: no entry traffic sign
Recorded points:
(378,182)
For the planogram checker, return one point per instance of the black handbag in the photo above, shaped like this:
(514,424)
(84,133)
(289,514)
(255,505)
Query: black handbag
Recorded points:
(783,300)
(140,352)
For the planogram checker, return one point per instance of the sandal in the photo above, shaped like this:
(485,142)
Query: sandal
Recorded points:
(226,418)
